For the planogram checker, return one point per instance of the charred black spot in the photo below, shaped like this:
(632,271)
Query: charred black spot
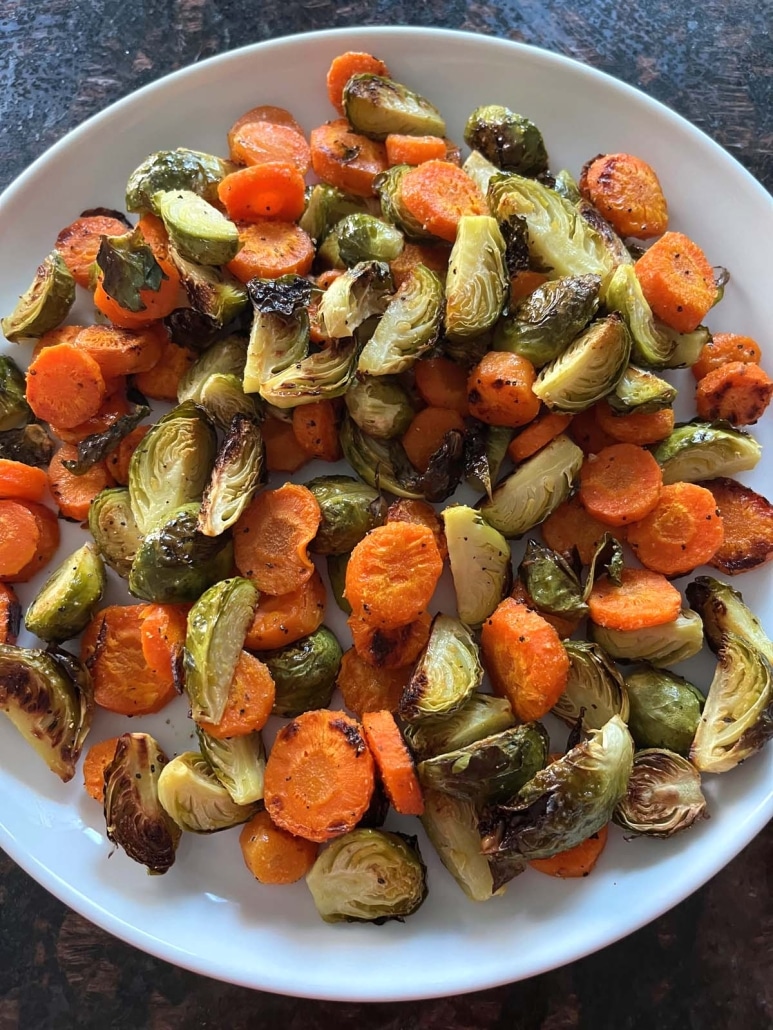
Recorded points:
(351,734)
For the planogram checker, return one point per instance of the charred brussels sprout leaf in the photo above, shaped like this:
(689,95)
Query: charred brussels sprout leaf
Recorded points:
(112,524)
(651,347)
(239,763)
(476,283)
(368,876)
(508,140)
(360,237)
(480,563)
(387,186)
(280,327)
(640,391)
(380,406)
(445,469)
(97,446)
(32,445)
(350,509)
(190,328)
(197,230)
(304,673)
(594,690)
(704,450)
(485,452)
(353,297)
(237,474)
(664,795)
(66,601)
(211,291)
(661,646)
(723,610)
(551,582)
(483,715)
(226,357)
(179,169)
(382,464)
(192,795)
(50,702)
(14,410)
(665,710)
(45,303)
(128,266)
(447,674)
(409,327)
(326,206)
(135,819)
(377,106)
(323,375)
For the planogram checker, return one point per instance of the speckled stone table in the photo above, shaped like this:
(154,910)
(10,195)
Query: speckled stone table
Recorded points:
(703,966)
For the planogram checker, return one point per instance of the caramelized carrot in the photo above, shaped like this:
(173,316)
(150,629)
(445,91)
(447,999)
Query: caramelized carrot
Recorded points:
(577,861)
(283,452)
(499,390)
(620,484)
(273,189)
(427,432)
(628,194)
(640,428)
(20,482)
(570,526)
(65,385)
(684,530)
(736,391)
(748,522)
(10,614)
(644,598)
(432,256)
(79,242)
(284,619)
(538,434)
(255,143)
(724,347)
(112,408)
(677,281)
(368,688)
(394,762)
(386,648)
(273,855)
(19,537)
(250,700)
(588,434)
(163,380)
(414,150)
(74,494)
(48,543)
(316,430)
(421,513)
(344,66)
(346,159)
(270,250)
(121,352)
(438,194)
(97,759)
(442,384)
(265,113)
(62,334)
(162,634)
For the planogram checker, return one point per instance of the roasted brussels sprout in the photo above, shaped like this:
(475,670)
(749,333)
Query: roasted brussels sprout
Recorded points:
(353,297)
(661,646)
(45,303)
(640,391)
(535,489)
(687,346)
(326,206)
(217,626)
(112,524)
(368,876)
(32,445)
(304,673)
(350,509)
(594,692)
(237,474)
(485,452)
(664,795)
(483,715)
(543,324)
(722,610)
(279,336)
(226,357)
(377,106)
(408,328)
(380,406)
(551,582)
(192,795)
(665,709)
(566,185)
(14,410)
(323,375)
(480,170)
(704,450)
(128,266)
(382,464)
(360,237)
(737,718)
(480,563)
(617,249)
(95,448)
(492,769)
(49,699)
(179,169)
(447,674)
(588,369)
(135,819)
(336,573)
(64,604)
(477,282)
(387,187)
(510,141)
(211,291)
(567,801)
(223,398)
(171,466)
(197,230)
(650,347)
(238,762)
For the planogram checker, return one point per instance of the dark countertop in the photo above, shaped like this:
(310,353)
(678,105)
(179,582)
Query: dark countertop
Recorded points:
(706,964)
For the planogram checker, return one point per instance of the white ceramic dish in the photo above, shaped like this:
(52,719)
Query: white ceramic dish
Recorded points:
(208,914)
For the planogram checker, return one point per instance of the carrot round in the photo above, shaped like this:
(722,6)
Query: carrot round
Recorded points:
(316,430)
(577,861)
(274,189)
(121,352)
(426,434)
(161,383)
(394,762)
(10,614)
(587,433)
(414,150)
(570,526)
(538,434)
(628,194)
(433,257)
(79,242)
(346,159)
(255,143)
(640,428)
(421,513)
(48,543)
(644,598)
(272,537)
(748,522)
(273,855)
(392,574)
(74,494)
(65,385)
(438,194)
(62,334)
(97,759)
(525,659)
(678,281)
(270,250)
(724,347)
(20,482)
(442,384)
(250,700)
(283,451)
(736,391)
(620,484)
(19,537)
(684,530)
(341,69)
(285,619)
(366,688)
(118,460)
(266,113)
(524,283)
(386,648)
(111,409)
(162,635)
(319,776)
(499,390)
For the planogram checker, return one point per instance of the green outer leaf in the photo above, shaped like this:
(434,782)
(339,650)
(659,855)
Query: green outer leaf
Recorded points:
(128,266)
(14,410)
(96,447)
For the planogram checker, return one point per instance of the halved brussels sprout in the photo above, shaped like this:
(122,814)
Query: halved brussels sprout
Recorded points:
(491,769)
(193,796)
(128,266)
(171,466)
(409,327)
(239,763)
(179,169)
(477,281)
(14,410)
(336,573)
(380,406)
(665,709)
(217,626)
(32,445)
(480,170)
(695,451)
(304,673)
(360,237)
(664,795)
(551,582)
(382,464)
(588,369)
(226,357)
(45,303)
(737,718)
(223,398)
(212,292)
(368,876)
(353,297)
(447,674)
(197,230)
(566,185)
(536,488)
(687,346)
(661,646)
(48,698)
(651,347)
(617,249)
(327,205)
(112,524)
(485,452)
(135,819)
(510,141)
(640,391)
(322,375)
(95,448)
(567,801)
(387,187)
(723,610)
(350,509)
(480,563)
(65,603)
(483,715)
(377,106)
(594,692)
(543,324)
(279,336)
(236,475)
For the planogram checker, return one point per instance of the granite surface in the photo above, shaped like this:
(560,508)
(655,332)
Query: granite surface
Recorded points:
(703,966)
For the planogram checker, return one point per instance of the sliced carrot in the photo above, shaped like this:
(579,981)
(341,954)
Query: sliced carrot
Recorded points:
(577,861)
(438,194)
(342,68)
(524,283)
(272,537)
(65,385)
(565,627)
(368,688)
(283,620)
(628,194)
(427,432)
(274,189)
(421,513)
(442,384)
(162,633)
(678,281)
(121,352)
(736,391)
(640,428)
(570,526)
(644,598)
(394,762)
(319,775)
(118,461)
(97,759)
(112,408)
(346,159)
(414,150)
(10,614)
(162,382)
(266,113)
(588,434)
(724,347)
(62,334)
(255,143)
(20,482)
(48,543)
(79,242)
(748,521)
(538,434)
(19,537)
(499,390)
(684,530)
(74,494)
(433,257)
(250,700)
(316,430)
(283,452)
(273,855)
(620,484)
(385,648)
(271,249)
